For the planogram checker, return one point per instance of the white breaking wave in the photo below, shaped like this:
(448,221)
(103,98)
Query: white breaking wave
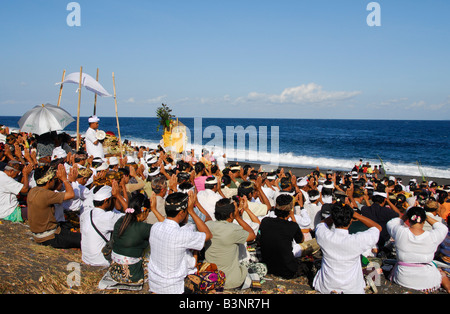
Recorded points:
(302,161)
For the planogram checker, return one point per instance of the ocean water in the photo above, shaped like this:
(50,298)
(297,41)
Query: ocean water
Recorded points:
(413,148)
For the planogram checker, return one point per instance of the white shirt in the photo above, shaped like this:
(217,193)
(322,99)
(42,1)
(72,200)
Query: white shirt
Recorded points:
(91,148)
(229,192)
(305,196)
(257,208)
(83,199)
(327,199)
(341,264)
(271,194)
(170,259)
(91,242)
(314,212)
(221,162)
(9,189)
(208,199)
(77,203)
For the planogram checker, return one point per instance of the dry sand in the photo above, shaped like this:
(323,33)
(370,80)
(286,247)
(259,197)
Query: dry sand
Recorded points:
(30,268)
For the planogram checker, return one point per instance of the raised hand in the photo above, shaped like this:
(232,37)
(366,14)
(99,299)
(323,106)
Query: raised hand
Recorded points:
(61,173)
(73,174)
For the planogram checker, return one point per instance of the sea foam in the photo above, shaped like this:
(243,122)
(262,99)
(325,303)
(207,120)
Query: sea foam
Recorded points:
(304,161)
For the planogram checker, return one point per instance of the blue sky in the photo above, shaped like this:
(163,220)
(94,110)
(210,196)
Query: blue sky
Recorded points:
(247,58)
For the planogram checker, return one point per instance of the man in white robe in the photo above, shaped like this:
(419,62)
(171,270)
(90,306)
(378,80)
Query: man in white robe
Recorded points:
(94,147)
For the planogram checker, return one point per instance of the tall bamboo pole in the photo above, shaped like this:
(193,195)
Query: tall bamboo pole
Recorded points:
(78,114)
(61,88)
(117,117)
(95,99)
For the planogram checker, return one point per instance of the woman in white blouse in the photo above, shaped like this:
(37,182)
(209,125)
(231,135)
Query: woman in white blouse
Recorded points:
(415,251)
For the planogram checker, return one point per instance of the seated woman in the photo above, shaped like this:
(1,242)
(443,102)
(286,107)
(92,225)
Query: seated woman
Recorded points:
(130,238)
(416,249)
(201,174)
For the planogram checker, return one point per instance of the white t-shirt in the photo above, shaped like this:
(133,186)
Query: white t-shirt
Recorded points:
(91,149)
(91,242)
(341,264)
(9,188)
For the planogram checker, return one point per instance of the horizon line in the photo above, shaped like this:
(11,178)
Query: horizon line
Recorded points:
(265,118)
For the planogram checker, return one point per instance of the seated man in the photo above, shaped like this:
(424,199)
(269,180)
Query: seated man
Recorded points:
(171,258)
(223,249)
(271,187)
(82,198)
(226,190)
(258,202)
(98,223)
(159,187)
(432,209)
(277,237)
(341,270)
(380,213)
(313,207)
(10,189)
(209,196)
(137,185)
(41,202)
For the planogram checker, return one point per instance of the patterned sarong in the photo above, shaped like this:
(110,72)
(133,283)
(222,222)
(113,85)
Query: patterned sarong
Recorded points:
(208,279)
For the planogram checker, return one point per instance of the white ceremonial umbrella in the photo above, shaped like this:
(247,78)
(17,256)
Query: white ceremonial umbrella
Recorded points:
(91,84)
(45,118)
(88,82)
